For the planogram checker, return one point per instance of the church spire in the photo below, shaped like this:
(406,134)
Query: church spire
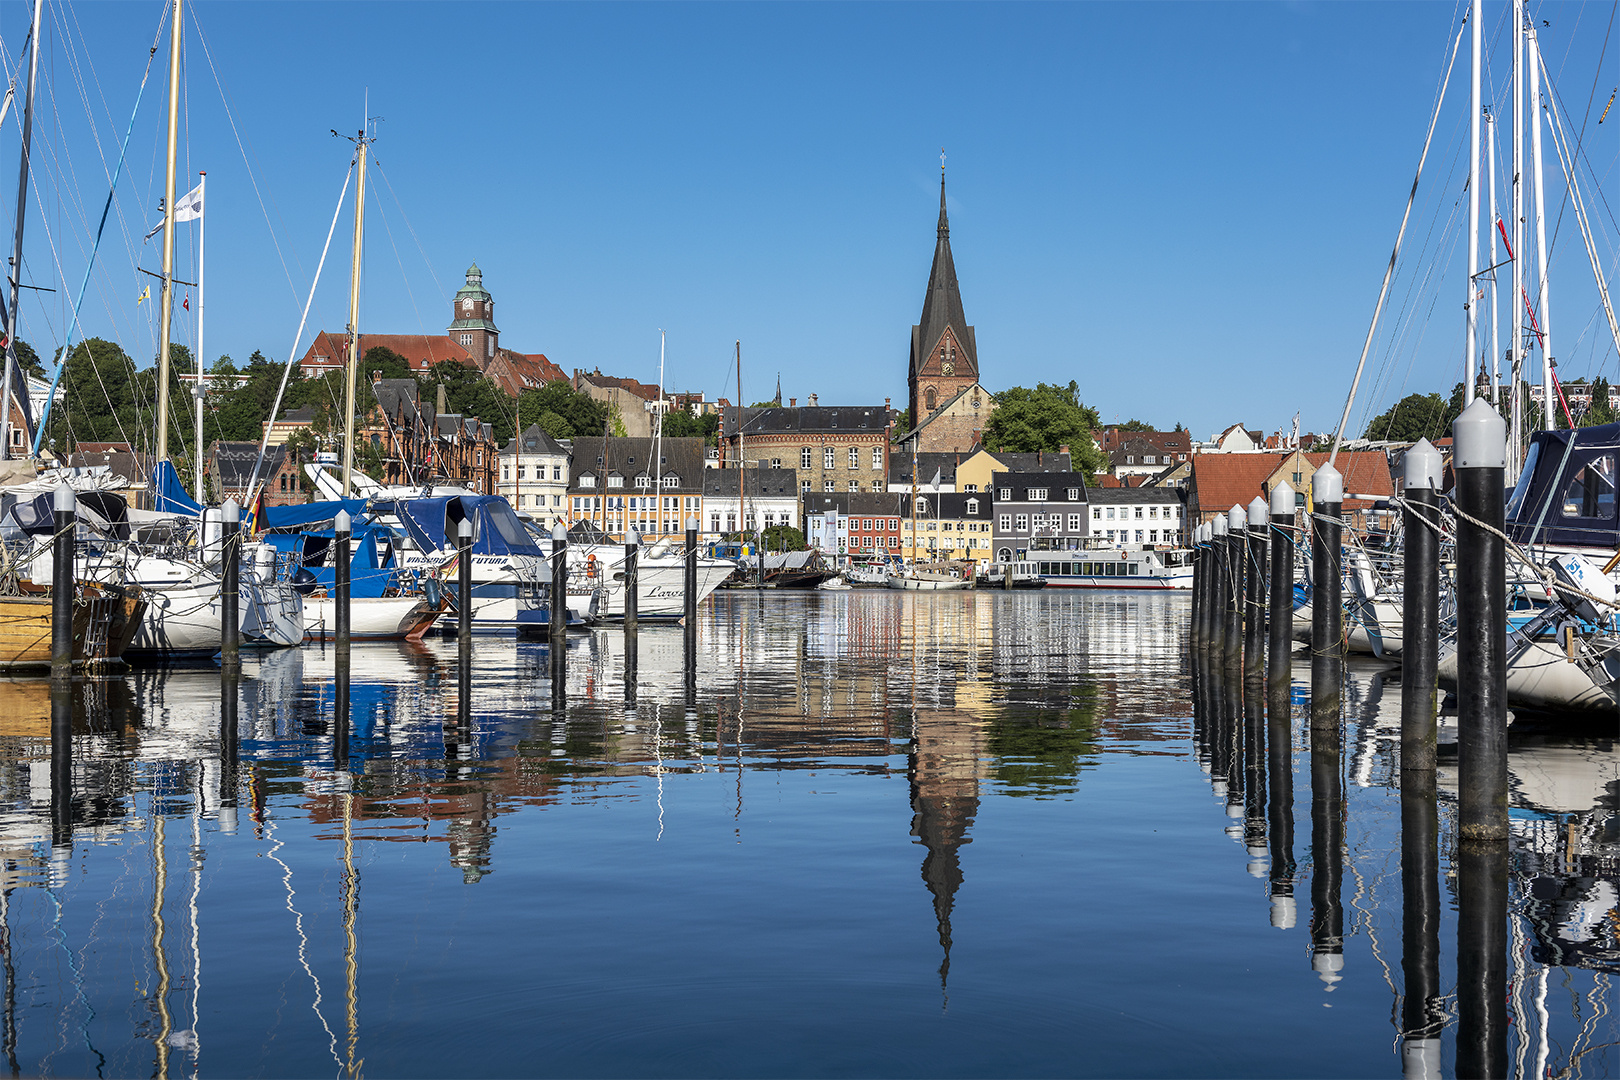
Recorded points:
(944,226)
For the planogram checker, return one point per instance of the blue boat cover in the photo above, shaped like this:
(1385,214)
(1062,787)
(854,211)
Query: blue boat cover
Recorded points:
(1566,493)
(315,513)
(169,494)
(432,524)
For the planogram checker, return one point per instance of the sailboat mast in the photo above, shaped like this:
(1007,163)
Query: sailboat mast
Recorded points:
(742,458)
(197,391)
(352,367)
(1542,305)
(1516,323)
(12,321)
(1490,231)
(1471,356)
(658,444)
(166,298)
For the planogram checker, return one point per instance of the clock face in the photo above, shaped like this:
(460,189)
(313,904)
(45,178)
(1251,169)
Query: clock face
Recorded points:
(948,368)
(466,305)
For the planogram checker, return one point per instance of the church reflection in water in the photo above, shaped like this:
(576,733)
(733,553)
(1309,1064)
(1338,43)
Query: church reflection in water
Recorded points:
(976,696)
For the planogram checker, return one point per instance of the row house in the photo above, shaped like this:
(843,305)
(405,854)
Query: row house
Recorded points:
(1039,512)
(854,524)
(836,448)
(1146,453)
(467,452)
(1137,515)
(654,485)
(534,475)
(969,472)
(772,499)
(948,525)
(422,444)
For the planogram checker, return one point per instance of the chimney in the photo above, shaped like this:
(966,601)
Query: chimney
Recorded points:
(439,402)
(885,403)
(1063,449)
(812,401)
(793,403)
(1037,453)
(376,377)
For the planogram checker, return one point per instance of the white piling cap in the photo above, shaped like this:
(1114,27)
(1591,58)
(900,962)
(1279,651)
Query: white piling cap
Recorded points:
(1201,535)
(1237,519)
(1327,486)
(1257,513)
(1327,966)
(691,523)
(631,536)
(1479,437)
(1423,467)
(464,529)
(63,500)
(231,512)
(1284,912)
(1282,499)
(558,533)
(342,522)
(1218,526)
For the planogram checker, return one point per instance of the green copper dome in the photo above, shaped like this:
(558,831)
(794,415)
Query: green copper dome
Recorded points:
(475,285)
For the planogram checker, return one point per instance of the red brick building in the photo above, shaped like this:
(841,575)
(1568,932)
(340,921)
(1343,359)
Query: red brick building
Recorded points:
(944,368)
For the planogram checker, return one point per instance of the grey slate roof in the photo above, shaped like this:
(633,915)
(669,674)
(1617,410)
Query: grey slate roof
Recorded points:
(952,505)
(942,305)
(857,504)
(1057,483)
(1137,495)
(396,394)
(534,440)
(233,462)
(630,457)
(806,418)
(900,468)
(758,483)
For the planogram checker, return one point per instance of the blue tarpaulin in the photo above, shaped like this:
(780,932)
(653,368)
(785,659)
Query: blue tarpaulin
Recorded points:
(496,529)
(169,494)
(315,513)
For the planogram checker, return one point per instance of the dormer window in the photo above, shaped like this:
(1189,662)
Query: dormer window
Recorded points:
(1074,494)
(615,481)
(1006,493)
(1037,494)
(643,481)
(587,481)
(672,481)
(973,506)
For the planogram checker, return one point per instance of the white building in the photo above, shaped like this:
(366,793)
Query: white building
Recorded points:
(772,499)
(1144,516)
(534,475)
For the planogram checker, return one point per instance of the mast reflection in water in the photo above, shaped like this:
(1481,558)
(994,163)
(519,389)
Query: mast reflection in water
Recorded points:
(713,868)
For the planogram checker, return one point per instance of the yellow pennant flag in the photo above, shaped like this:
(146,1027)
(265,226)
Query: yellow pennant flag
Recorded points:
(146,295)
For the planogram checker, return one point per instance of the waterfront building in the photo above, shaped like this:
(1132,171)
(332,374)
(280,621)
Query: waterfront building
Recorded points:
(534,475)
(948,525)
(1144,453)
(969,472)
(1132,516)
(618,482)
(229,468)
(949,408)
(772,499)
(1039,512)
(854,525)
(834,448)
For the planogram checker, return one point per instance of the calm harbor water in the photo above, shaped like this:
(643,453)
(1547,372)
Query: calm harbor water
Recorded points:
(887,834)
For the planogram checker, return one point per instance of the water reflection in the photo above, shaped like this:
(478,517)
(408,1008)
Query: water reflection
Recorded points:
(715,831)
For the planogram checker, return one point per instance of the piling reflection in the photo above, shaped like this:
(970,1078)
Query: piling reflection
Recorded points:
(1280,809)
(1423,1012)
(1327,853)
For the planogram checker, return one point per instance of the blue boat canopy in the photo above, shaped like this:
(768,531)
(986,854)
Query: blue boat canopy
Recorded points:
(432,524)
(169,494)
(320,514)
(1566,493)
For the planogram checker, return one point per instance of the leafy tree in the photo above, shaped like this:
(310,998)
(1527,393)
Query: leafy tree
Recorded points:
(1045,418)
(28,360)
(555,425)
(682,424)
(583,414)
(784,538)
(616,426)
(387,362)
(1136,425)
(471,393)
(1602,408)
(902,422)
(1414,417)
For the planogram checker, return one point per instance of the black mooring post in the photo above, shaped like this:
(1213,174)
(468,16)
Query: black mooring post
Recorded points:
(1423,1008)
(1254,612)
(1237,557)
(230,586)
(1280,808)
(1279,673)
(1195,632)
(65,522)
(1482,894)
(1209,608)
(1327,854)
(691,576)
(1327,600)
(1420,609)
(1479,441)
(632,583)
(343,529)
(557,611)
(464,592)
(1222,585)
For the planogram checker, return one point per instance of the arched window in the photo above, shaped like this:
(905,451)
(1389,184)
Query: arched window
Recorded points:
(930,399)
(1004,555)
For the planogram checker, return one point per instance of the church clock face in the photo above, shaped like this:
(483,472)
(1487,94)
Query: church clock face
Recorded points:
(948,368)
(466,305)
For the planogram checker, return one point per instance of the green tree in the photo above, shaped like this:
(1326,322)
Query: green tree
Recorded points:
(470,392)
(682,424)
(28,360)
(616,426)
(1414,417)
(1045,418)
(902,422)
(583,414)
(1602,408)
(1136,425)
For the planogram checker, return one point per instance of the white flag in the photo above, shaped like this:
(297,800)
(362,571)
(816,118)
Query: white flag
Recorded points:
(189,207)
(938,474)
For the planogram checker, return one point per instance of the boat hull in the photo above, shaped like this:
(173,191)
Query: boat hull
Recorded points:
(910,583)
(384,618)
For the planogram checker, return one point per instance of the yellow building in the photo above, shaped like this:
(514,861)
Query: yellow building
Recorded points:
(948,526)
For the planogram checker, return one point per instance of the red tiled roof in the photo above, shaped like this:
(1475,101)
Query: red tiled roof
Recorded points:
(640,389)
(1222,481)
(1365,472)
(421,350)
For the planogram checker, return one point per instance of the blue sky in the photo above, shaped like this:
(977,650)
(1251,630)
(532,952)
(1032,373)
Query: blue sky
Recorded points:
(1184,208)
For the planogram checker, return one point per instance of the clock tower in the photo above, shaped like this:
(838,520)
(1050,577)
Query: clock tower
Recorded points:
(944,355)
(472,319)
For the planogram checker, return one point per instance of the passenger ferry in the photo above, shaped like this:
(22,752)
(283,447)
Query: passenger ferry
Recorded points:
(1115,568)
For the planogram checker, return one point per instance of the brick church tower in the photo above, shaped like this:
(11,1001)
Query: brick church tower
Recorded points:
(472,317)
(944,357)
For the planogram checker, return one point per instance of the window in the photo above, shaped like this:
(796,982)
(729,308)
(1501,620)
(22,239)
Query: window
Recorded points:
(556,500)
(776,463)
(556,472)
(973,506)
(804,486)
(1153,511)
(894,524)
(714,522)
(643,482)
(587,481)
(1110,513)
(1150,459)
(1139,512)
(1590,494)
(520,499)
(1021,523)
(1110,535)
(854,485)
(1075,522)
(1005,521)
(615,482)
(877,457)
(804,457)
(1074,494)
(1153,536)
(829,485)
(854,457)
(521,470)
(1006,493)
(672,481)
(970,487)
(1037,494)
(1096,513)
(1138,536)
(506,473)
(1296,478)
(1130,460)
(829,458)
